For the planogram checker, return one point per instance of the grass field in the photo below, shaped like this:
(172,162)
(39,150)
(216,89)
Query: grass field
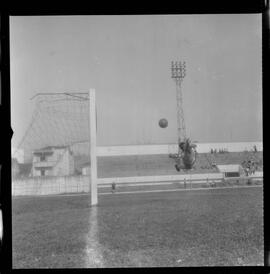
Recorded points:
(186,228)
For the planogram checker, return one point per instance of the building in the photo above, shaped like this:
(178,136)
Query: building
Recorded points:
(231,170)
(53,161)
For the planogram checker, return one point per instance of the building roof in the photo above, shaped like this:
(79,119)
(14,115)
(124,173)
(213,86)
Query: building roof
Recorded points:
(48,149)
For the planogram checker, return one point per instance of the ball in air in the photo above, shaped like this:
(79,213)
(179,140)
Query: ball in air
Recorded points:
(163,123)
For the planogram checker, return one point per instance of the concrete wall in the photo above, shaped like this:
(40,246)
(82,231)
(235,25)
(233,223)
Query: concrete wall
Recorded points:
(162,178)
(77,184)
(173,148)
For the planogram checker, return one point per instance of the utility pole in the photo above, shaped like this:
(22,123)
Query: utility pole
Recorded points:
(178,70)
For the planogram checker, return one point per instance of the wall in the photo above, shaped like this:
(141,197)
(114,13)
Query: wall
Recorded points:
(78,184)
(74,184)
(172,148)
(50,185)
(162,178)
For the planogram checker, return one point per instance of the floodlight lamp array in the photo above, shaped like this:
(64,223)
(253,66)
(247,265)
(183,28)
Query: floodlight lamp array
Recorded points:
(178,69)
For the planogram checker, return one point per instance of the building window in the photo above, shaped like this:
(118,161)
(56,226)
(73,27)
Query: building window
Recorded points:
(42,172)
(42,158)
(232,174)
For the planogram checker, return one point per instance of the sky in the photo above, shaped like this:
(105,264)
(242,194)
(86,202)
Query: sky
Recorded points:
(127,60)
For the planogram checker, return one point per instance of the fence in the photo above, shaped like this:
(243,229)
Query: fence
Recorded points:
(50,185)
(53,185)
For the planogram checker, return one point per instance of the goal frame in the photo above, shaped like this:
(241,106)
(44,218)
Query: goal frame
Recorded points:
(93,147)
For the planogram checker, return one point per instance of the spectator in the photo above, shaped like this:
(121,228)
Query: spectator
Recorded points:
(113,187)
(255,148)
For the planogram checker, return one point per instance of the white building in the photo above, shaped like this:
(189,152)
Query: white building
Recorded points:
(53,161)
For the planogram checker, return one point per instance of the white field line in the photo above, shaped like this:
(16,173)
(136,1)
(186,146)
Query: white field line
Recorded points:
(137,191)
(93,253)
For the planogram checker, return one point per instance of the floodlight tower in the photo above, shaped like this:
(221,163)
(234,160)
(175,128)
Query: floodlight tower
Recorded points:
(178,70)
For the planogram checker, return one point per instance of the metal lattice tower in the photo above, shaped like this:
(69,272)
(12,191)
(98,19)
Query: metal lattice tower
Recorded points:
(178,70)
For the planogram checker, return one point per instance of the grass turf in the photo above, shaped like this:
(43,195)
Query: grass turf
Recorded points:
(193,228)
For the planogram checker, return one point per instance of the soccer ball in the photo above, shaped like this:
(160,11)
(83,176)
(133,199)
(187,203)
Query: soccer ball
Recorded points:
(163,123)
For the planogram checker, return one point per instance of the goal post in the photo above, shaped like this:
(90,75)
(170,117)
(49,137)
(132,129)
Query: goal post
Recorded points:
(93,147)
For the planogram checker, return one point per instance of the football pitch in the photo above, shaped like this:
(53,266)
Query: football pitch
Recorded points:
(200,227)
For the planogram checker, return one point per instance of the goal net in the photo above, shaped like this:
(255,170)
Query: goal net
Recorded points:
(61,137)
(58,120)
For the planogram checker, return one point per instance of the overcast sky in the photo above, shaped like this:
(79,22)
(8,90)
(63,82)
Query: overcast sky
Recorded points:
(127,60)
